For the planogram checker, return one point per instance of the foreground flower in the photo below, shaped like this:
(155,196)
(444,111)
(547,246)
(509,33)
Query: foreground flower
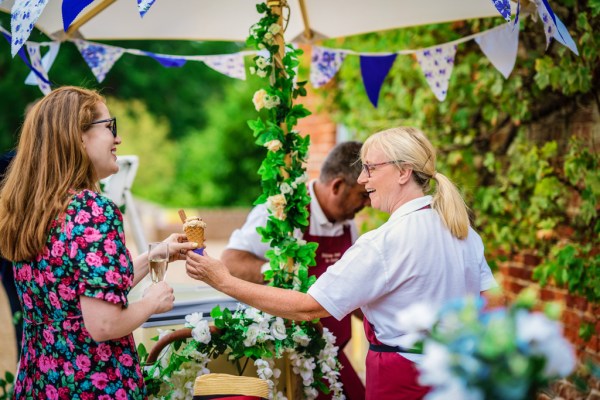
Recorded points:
(273,145)
(259,99)
(276,204)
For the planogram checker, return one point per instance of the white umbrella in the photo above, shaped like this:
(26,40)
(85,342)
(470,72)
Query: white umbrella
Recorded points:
(230,20)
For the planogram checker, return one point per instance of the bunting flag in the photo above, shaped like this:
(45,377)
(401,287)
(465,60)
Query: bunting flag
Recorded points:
(325,64)
(500,47)
(47,61)
(99,57)
(517,14)
(35,57)
(166,60)
(23,55)
(437,63)
(374,70)
(24,15)
(231,65)
(144,6)
(553,27)
(71,9)
(503,7)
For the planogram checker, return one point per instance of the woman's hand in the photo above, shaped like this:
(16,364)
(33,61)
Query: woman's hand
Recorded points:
(178,246)
(207,269)
(161,295)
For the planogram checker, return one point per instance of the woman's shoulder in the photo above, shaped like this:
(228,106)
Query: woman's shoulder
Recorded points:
(90,201)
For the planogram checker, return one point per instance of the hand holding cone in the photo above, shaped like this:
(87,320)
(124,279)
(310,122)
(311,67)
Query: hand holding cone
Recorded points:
(194,230)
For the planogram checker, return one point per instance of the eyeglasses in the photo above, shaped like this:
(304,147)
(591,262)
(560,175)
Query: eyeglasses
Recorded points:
(368,168)
(112,125)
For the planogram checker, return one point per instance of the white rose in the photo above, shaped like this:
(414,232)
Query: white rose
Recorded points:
(300,337)
(278,329)
(273,145)
(261,63)
(252,70)
(285,188)
(274,29)
(276,204)
(201,332)
(271,101)
(259,99)
(251,335)
(261,73)
(193,319)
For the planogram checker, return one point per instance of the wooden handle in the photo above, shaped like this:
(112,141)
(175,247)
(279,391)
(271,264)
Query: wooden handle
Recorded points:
(179,334)
(182,216)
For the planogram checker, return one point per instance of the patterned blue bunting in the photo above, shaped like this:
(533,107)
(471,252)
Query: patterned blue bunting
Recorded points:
(325,63)
(437,64)
(40,76)
(35,57)
(374,70)
(553,27)
(503,7)
(231,65)
(144,6)
(100,58)
(71,9)
(24,15)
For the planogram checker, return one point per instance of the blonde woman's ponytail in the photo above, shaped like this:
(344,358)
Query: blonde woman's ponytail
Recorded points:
(450,206)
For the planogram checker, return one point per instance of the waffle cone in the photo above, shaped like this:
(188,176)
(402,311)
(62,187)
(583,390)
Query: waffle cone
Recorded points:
(195,234)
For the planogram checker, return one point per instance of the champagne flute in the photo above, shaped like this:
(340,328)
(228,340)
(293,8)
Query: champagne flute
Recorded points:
(158,260)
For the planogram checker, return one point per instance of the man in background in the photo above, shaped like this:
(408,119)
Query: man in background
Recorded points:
(336,197)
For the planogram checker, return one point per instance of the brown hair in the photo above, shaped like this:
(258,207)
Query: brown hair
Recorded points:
(412,147)
(50,161)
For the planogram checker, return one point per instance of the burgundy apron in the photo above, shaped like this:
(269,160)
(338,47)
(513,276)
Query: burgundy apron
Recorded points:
(389,375)
(330,250)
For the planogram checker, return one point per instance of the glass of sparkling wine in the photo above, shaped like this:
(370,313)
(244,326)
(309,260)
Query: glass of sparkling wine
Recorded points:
(158,259)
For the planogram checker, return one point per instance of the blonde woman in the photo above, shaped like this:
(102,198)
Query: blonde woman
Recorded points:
(425,252)
(72,269)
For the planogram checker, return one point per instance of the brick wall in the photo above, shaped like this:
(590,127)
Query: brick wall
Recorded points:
(318,125)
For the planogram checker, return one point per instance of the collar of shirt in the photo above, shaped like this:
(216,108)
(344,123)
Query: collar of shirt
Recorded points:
(317,215)
(411,206)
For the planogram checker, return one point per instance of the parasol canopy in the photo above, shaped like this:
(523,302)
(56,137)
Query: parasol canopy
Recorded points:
(230,20)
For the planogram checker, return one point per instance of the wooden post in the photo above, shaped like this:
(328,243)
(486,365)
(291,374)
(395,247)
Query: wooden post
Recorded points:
(276,7)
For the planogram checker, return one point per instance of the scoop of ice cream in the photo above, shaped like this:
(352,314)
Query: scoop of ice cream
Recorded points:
(193,222)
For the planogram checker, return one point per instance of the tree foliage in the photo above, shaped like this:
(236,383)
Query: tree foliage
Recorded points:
(529,188)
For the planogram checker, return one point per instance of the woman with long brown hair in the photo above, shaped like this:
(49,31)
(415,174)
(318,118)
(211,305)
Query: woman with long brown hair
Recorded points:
(72,269)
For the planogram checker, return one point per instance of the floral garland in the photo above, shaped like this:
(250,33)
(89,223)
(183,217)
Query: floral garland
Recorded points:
(247,333)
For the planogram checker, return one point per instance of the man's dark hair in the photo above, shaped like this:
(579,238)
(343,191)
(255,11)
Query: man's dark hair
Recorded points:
(342,162)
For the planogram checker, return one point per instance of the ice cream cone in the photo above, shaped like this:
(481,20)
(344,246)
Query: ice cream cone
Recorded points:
(194,230)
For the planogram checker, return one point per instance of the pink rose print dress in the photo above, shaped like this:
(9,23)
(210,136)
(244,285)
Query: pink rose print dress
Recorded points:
(85,256)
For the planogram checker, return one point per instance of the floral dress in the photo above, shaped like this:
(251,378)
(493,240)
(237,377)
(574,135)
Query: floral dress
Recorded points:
(85,255)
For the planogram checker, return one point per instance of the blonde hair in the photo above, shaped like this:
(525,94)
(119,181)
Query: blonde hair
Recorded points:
(50,162)
(412,147)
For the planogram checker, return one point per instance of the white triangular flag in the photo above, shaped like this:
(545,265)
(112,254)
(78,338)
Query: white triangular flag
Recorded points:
(231,65)
(47,61)
(437,63)
(500,47)
(99,57)
(553,27)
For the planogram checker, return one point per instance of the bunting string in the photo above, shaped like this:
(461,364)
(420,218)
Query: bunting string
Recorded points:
(498,44)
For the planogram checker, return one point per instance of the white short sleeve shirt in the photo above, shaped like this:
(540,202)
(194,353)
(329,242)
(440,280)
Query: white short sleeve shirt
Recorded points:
(247,239)
(412,258)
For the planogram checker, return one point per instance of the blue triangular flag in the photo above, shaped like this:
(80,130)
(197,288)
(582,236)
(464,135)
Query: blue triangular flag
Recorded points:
(554,28)
(374,70)
(71,9)
(166,60)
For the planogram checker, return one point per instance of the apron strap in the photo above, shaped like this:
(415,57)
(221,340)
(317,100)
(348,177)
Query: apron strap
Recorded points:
(384,348)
